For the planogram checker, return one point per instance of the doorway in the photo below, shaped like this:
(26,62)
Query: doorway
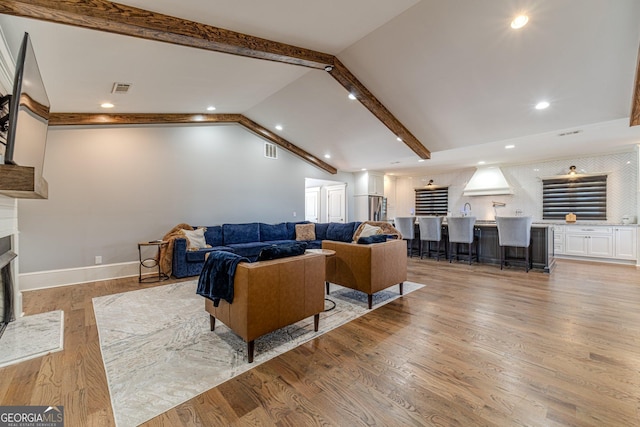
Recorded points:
(325,201)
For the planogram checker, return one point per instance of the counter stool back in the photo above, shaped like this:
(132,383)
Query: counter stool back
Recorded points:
(405,225)
(461,231)
(514,231)
(431,231)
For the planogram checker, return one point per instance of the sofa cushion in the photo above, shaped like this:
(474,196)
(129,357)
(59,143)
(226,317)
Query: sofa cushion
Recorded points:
(376,238)
(282,251)
(279,242)
(195,238)
(314,244)
(370,230)
(340,232)
(249,250)
(198,256)
(273,232)
(240,233)
(213,235)
(321,230)
(291,229)
(305,232)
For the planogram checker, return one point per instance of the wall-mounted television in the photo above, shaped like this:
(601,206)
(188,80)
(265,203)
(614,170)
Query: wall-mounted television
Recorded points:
(28,113)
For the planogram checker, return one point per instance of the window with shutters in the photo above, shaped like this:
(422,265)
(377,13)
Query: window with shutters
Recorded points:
(432,201)
(584,196)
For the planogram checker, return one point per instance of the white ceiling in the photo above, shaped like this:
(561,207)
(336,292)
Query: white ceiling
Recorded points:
(453,72)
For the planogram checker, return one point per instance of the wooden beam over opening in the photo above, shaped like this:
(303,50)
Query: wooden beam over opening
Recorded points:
(82,119)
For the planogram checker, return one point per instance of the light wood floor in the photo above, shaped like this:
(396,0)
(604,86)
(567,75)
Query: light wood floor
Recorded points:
(475,346)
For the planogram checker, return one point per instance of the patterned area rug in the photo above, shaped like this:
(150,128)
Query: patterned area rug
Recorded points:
(158,350)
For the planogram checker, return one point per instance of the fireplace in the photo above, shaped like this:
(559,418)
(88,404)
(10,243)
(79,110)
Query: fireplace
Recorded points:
(6,283)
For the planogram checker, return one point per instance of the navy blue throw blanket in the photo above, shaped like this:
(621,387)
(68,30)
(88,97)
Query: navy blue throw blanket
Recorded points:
(216,278)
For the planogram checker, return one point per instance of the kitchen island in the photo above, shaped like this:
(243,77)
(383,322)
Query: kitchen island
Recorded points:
(542,245)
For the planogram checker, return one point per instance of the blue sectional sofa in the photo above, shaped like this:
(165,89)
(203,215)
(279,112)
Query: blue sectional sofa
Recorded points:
(249,239)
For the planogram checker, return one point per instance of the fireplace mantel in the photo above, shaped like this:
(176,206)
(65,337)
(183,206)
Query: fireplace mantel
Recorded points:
(21,182)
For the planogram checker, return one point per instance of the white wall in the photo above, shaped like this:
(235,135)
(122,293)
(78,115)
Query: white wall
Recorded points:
(110,188)
(622,186)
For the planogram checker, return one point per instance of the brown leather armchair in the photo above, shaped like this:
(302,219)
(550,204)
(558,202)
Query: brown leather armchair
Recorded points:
(367,268)
(270,295)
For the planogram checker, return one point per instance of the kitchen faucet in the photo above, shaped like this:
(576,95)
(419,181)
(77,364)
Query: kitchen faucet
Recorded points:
(466,212)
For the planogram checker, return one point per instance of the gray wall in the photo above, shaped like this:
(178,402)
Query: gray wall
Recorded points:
(110,188)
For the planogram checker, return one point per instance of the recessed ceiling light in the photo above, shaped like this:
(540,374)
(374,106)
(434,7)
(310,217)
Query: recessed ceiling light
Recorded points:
(278,127)
(421,160)
(509,146)
(542,105)
(352,96)
(481,162)
(107,105)
(399,139)
(211,108)
(519,22)
(327,156)
(363,169)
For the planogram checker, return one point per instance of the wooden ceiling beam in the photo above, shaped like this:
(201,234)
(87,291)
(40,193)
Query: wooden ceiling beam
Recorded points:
(635,102)
(278,140)
(366,98)
(116,18)
(102,15)
(87,119)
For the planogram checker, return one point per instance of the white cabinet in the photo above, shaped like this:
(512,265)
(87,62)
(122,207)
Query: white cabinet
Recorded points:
(369,183)
(558,239)
(615,242)
(589,241)
(626,242)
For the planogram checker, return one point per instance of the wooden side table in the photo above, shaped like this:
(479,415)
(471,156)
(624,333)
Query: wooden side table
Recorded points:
(151,261)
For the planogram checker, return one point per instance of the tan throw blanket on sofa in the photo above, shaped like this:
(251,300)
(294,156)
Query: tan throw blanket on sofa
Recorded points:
(166,252)
(386,228)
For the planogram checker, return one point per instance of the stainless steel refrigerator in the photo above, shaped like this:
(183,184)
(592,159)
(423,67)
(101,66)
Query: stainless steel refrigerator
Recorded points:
(377,208)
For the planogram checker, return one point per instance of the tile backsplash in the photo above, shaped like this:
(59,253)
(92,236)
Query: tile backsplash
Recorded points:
(526,181)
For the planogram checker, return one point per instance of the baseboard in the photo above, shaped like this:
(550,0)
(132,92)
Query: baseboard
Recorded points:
(603,260)
(74,276)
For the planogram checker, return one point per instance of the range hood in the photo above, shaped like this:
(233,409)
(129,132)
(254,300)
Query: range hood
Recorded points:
(488,181)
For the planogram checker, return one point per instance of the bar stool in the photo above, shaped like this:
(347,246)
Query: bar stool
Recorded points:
(461,231)
(406,227)
(515,231)
(431,231)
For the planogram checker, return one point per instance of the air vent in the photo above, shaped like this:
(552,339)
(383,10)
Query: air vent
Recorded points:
(573,132)
(120,88)
(270,151)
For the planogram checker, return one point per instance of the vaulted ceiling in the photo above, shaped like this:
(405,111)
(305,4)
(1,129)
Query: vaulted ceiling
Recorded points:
(453,74)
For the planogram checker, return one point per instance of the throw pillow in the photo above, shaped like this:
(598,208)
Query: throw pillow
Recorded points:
(282,251)
(370,230)
(195,238)
(376,238)
(305,232)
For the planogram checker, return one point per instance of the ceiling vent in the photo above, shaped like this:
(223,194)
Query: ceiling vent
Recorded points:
(270,151)
(573,132)
(487,181)
(121,88)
